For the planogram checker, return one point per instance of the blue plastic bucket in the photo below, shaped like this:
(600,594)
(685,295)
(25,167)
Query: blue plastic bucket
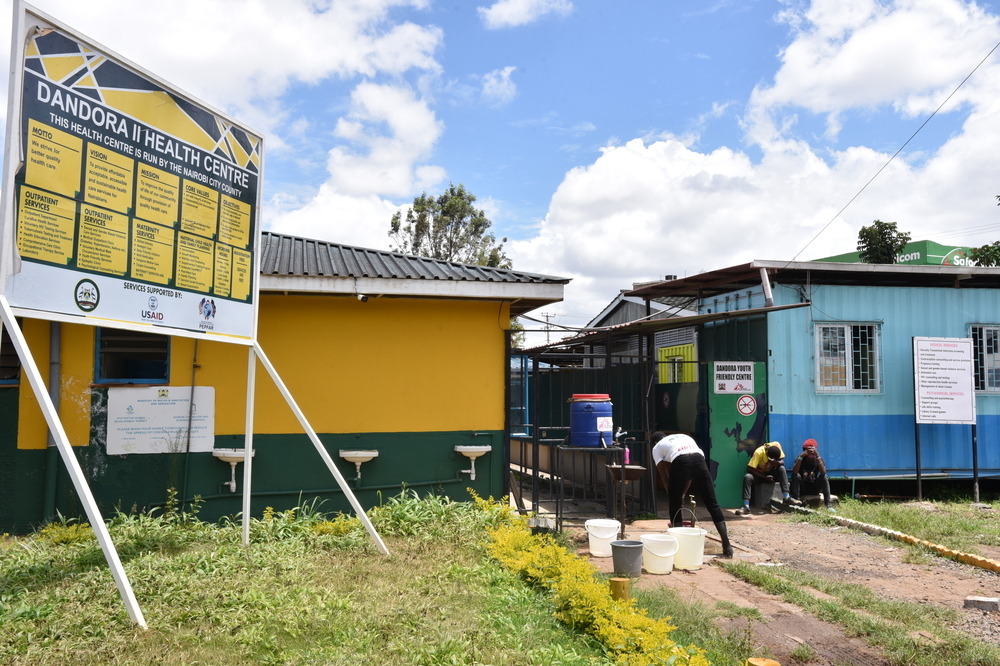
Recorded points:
(585,411)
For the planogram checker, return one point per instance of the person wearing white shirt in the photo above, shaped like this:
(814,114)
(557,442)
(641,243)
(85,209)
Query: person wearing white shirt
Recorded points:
(680,463)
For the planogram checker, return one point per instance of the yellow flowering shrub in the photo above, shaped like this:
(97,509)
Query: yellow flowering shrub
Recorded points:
(630,636)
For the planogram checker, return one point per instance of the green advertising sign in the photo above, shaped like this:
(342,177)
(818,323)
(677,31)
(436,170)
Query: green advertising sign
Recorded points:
(737,414)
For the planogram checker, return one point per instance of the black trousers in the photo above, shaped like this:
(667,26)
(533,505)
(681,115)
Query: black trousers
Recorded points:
(820,485)
(692,467)
(749,480)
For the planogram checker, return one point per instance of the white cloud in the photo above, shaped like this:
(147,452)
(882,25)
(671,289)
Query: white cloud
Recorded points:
(863,54)
(649,208)
(498,89)
(240,54)
(512,13)
(386,163)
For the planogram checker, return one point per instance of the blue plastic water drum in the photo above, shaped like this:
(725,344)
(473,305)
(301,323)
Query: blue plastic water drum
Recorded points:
(588,412)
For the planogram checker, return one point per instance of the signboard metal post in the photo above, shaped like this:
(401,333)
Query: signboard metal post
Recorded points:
(944,391)
(127,204)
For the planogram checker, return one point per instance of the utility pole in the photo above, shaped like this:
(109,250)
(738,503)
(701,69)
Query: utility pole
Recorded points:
(548,328)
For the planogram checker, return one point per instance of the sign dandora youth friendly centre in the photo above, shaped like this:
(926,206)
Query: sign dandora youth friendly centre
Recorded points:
(133,203)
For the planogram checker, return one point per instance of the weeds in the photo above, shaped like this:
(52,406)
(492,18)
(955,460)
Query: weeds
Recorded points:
(310,590)
(696,624)
(884,624)
(956,525)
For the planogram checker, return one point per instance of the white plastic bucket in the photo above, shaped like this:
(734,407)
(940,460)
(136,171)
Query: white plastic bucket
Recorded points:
(601,532)
(690,547)
(658,552)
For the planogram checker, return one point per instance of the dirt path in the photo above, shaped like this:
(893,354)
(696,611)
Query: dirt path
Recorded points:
(832,552)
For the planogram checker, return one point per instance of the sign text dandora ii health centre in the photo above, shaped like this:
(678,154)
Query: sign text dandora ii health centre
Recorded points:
(105,193)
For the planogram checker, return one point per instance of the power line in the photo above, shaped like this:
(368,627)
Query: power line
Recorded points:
(895,154)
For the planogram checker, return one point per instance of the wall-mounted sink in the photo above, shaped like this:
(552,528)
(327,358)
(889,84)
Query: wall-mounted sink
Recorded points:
(472,452)
(234,457)
(358,457)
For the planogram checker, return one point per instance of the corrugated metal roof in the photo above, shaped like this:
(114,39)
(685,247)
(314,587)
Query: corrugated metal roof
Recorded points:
(725,280)
(293,256)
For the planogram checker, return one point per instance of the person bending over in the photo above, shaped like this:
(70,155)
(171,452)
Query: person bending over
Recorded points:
(810,471)
(767,465)
(680,464)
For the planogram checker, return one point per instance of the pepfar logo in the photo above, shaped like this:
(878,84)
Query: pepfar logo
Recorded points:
(207,310)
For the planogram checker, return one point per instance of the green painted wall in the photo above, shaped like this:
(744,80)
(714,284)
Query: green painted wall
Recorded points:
(735,437)
(22,473)
(284,467)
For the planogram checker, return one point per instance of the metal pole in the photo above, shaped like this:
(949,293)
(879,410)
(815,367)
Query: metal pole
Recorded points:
(916,412)
(506,414)
(72,464)
(248,443)
(535,431)
(319,449)
(51,451)
(975,465)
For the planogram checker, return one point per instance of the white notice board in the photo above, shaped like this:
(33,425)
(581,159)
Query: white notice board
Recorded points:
(154,419)
(732,377)
(943,380)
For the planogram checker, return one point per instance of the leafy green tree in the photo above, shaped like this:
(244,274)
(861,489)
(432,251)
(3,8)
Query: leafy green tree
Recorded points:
(986,255)
(448,227)
(881,242)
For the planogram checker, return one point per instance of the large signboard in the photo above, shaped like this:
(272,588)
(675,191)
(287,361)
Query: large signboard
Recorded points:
(943,380)
(133,204)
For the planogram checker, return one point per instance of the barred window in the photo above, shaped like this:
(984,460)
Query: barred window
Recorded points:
(986,358)
(848,358)
(131,357)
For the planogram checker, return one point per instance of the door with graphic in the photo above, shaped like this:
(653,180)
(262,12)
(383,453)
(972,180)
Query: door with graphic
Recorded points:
(737,419)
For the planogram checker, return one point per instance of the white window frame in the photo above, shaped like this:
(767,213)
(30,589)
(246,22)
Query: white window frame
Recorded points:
(846,360)
(986,364)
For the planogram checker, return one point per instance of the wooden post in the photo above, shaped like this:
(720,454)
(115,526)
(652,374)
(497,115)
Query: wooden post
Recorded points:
(620,589)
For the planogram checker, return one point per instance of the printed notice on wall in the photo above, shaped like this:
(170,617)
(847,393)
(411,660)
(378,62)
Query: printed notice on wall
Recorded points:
(732,377)
(132,190)
(153,419)
(944,381)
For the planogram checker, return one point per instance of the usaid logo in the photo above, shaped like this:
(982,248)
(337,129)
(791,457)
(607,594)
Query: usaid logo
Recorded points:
(151,314)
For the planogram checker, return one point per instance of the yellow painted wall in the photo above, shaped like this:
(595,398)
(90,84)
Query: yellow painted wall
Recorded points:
(689,372)
(388,365)
(77,372)
(31,428)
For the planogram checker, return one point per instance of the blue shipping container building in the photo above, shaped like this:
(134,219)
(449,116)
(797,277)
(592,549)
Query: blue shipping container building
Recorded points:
(840,367)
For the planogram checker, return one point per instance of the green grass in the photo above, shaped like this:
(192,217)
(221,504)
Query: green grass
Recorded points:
(696,624)
(884,624)
(957,525)
(308,591)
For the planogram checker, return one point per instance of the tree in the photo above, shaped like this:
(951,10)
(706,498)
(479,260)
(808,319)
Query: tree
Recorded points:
(986,255)
(881,242)
(449,228)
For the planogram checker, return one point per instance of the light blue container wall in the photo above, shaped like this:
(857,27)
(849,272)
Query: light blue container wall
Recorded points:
(874,433)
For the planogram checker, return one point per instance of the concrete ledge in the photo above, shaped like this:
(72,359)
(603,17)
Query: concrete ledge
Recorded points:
(983,603)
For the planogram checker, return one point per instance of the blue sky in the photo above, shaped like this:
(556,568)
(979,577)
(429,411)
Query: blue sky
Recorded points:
(610,142)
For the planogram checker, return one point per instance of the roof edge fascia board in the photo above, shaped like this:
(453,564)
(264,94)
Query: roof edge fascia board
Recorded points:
(349,286)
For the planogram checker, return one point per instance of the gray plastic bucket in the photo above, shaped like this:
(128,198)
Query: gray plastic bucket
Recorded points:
(627,558)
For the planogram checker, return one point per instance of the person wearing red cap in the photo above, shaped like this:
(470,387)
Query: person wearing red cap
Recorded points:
(810,471)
